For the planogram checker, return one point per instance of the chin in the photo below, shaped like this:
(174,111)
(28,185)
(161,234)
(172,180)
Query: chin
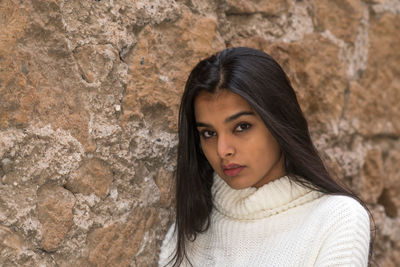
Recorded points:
(237,185)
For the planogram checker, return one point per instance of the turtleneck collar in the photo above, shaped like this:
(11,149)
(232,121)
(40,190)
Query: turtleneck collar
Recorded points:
(256,203)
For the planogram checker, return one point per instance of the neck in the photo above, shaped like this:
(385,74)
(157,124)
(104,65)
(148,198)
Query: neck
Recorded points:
(254,203)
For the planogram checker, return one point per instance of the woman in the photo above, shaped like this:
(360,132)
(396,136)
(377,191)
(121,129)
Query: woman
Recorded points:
(251,188)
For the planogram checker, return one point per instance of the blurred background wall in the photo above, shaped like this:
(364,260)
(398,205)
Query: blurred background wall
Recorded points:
(89,95)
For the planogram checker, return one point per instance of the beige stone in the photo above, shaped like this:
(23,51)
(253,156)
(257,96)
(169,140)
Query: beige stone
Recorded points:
(65,111)
(54,209)
(317,76)
(89,95)
(158,66)
(391,197)
(340,17)
(273,7)
(376,1)
(94,176)
(39,56)
(166,183)
(256,42)
(95,62)
(392,169)
(10,240)
(16,251)
(373,102)
(13,21)
(12,247)
(115,244)
(389,200)
(370,184)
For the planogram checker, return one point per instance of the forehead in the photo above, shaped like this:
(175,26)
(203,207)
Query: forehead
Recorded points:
(222,104)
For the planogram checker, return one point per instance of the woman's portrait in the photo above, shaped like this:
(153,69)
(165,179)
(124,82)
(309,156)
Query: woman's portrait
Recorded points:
(233,133)
(244,150)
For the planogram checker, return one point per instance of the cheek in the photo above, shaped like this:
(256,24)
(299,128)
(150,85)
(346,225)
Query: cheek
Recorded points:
(209,151)
(274,150)
(269,149)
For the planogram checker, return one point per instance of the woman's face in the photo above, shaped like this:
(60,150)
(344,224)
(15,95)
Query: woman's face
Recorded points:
(236,141)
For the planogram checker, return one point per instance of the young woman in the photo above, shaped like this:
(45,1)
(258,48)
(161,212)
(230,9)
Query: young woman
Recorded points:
(251,188)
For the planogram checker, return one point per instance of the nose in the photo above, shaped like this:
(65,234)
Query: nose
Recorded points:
(225,147)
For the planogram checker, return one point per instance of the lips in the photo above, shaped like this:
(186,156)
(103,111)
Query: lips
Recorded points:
(232,169)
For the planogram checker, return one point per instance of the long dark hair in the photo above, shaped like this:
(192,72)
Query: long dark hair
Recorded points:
(258,78)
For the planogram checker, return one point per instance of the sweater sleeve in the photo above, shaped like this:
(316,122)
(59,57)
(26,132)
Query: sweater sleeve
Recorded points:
(347,241)
(168,247)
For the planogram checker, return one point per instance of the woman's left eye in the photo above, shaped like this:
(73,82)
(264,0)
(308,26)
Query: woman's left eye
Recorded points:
(242,127)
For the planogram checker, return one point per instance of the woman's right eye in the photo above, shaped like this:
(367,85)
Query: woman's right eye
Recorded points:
(207,134)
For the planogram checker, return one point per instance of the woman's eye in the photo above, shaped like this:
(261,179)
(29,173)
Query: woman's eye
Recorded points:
(242,127)
(207,134)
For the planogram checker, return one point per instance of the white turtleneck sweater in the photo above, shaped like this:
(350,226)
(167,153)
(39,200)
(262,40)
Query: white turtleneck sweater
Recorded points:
(279,224)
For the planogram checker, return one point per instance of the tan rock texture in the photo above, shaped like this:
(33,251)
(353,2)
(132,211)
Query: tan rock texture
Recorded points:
(89,95)
(54,211)
(94,176)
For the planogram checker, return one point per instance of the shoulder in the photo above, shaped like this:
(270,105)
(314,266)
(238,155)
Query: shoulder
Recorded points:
(342,207)
(344,231)
(342,215)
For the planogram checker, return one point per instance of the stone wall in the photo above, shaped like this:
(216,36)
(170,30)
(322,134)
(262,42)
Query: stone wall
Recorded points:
(89,95)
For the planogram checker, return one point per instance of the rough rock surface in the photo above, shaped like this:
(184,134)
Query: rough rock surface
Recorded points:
(54,211)
(89,95)
(94,176)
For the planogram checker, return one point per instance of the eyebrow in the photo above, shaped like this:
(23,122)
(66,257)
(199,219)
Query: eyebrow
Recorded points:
(229,119)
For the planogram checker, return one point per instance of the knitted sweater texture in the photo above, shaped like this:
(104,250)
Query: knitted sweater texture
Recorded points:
(279,224)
